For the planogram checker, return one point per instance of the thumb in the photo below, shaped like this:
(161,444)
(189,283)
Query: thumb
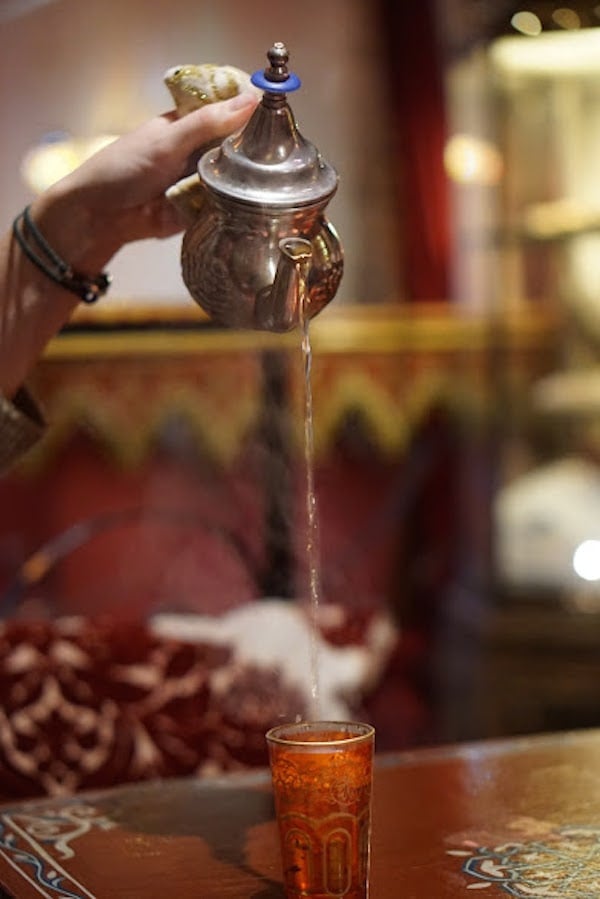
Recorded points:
(213,121)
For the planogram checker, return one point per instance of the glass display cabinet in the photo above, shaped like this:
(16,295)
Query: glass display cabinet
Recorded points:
(529,658)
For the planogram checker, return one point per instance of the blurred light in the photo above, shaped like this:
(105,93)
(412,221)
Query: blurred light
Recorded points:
(566,18)
(472,160)
(552,54)
(57,155)
(586,560)
(527,23)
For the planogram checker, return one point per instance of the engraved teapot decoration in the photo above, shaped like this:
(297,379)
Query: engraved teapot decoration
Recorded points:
(261,254)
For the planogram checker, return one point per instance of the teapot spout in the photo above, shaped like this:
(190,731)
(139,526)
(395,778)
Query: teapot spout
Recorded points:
(280,307)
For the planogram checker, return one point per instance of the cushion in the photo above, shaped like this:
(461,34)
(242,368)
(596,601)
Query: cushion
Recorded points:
(87,703)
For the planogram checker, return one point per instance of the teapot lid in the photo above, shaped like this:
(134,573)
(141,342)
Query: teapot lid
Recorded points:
(269,162)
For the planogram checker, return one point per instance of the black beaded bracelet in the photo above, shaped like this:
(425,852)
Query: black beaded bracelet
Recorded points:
(87,288)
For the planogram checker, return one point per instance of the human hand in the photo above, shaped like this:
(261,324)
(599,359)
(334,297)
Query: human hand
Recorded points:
(118,195)
(115,197)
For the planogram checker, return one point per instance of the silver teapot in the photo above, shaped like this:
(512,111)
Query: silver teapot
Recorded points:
(261,254)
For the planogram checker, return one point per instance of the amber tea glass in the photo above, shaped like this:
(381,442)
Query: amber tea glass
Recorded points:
(322,785)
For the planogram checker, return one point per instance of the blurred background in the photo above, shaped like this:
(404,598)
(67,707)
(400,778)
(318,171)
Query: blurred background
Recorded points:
(456,379)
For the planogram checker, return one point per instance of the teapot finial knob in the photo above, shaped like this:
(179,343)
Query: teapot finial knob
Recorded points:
(278,58)
(276,79)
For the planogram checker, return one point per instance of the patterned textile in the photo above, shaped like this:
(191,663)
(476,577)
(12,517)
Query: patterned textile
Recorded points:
(21,426)
(91,703)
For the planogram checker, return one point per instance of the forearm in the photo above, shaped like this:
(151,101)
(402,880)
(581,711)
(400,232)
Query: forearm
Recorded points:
(32,307)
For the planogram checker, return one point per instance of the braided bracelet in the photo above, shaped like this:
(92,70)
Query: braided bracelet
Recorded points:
(87,288)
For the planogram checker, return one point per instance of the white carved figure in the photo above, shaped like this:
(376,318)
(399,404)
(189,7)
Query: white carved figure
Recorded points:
(543,519)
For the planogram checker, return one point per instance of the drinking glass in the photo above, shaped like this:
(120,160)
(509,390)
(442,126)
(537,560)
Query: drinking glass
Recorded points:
(322,785)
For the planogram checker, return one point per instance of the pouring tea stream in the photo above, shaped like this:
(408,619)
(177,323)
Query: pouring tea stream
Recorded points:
(260,253)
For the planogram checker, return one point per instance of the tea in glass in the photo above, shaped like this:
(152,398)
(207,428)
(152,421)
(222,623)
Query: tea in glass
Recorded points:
(322,784)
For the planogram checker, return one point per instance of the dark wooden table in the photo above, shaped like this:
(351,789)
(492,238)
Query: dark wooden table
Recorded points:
(517,817)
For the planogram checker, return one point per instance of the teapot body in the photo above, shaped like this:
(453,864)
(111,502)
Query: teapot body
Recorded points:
(230,256)
(260,252)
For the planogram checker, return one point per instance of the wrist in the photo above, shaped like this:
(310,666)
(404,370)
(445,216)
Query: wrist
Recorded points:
(70,226)
(46,259)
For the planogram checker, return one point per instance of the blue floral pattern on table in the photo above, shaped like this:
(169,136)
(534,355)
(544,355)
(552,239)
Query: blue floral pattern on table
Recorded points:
(564,864)
(26,841)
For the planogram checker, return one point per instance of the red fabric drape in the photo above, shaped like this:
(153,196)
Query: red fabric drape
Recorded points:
(415,70)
